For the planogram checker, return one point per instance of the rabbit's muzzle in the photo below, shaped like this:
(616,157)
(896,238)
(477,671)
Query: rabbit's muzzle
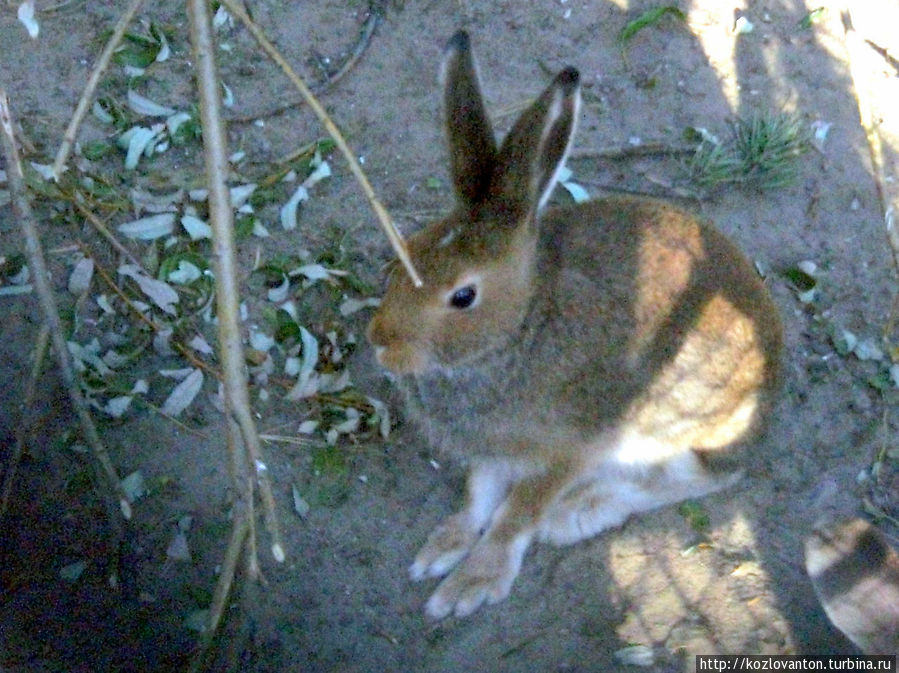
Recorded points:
(393,350)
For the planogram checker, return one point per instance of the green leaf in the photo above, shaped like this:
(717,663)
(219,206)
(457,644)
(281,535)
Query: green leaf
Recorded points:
(190,130)
(649,18)
(695,514)
(800,279)
(325,146)
(137,56)
(286,328)
(812,17)
(332,485)
(100,189)
(12,264)
(122,117)
(881,380)
(358,285)
(96,150)
(269,275)
(263,196)
(844,341)
(140,51)
(329,460)
(243,227)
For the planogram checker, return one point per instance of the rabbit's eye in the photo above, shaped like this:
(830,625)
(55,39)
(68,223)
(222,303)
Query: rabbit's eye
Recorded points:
(464,297)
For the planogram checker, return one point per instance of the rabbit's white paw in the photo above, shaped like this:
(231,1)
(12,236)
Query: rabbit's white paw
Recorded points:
(446,546)
(486,575)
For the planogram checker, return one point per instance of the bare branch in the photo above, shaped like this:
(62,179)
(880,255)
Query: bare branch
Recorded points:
(9,477)
(237,400)
(68,140)
(35,254)
(393,235)
(104,232)
(365,35)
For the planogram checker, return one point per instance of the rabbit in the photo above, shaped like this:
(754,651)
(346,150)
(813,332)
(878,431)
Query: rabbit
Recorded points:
(855,574)
(587,362)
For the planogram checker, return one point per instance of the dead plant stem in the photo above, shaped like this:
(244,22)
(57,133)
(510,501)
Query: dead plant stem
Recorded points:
(71,134)
(368,30)
(181,348)
(237,400)
(393,235)
(104,232)
(35,254)
(40,352)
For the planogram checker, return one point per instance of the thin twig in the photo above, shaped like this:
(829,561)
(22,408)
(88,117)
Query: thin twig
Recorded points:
(104,232)
(368,30)
(289,439)
(365,35)
(68,140)
(40,352)
(35,254)
(57,7)
(393,235)
(171,419)
(642,150)
(178,346)
(222,589)
(246,489)
(243,537)
(227,293)
(877,512)
(106,278)
(885,55)
(293,155)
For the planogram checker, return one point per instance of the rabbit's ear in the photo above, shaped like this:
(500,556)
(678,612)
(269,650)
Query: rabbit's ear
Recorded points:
(535,150)
(471,142)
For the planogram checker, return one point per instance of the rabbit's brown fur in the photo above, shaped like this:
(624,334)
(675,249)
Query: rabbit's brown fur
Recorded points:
(591,362)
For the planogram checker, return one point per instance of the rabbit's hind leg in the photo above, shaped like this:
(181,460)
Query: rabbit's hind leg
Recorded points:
(613,491)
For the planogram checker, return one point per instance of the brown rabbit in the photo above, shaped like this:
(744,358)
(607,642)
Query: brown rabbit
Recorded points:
(855,573)
(589,361)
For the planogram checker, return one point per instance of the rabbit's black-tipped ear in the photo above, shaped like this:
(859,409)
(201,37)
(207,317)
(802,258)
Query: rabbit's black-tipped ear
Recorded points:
(472,145)
(535,150)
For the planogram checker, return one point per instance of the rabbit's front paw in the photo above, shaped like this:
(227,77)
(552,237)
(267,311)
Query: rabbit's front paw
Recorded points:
(486,575)
(446,546)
